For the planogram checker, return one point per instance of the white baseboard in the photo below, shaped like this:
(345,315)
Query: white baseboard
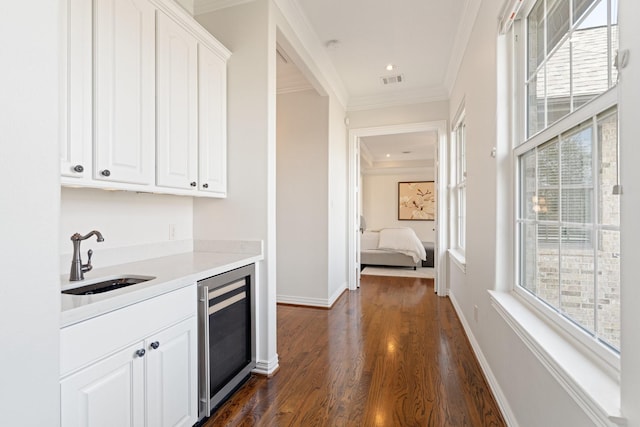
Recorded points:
(501,399)
(296,300)
(267,367)
(333,298)
(312,302)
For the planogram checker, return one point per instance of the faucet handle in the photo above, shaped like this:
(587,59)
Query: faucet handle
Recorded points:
(87,267)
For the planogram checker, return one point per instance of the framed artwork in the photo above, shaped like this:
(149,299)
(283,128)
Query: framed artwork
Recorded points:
(416,201)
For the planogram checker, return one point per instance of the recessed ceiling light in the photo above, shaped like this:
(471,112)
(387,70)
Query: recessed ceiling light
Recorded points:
(388,155)
(391,67)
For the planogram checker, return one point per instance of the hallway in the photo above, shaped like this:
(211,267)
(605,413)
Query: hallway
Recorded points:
(390,354)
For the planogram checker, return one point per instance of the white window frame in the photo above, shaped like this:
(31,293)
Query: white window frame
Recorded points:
(521,145)
(458,186)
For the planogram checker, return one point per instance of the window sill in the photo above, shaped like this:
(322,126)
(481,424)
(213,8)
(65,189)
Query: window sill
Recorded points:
(588,383)
(458,259)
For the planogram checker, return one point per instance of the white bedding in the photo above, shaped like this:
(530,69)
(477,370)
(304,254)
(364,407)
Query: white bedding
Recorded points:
(402,240)
(369,240)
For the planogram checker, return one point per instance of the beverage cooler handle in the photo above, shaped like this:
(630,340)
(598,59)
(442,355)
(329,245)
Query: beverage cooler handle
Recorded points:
(207,365)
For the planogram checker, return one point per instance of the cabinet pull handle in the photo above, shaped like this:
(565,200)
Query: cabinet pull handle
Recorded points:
(193,184)
(105,172)
(155,345)
(205,185)
(78,168)
(140,353)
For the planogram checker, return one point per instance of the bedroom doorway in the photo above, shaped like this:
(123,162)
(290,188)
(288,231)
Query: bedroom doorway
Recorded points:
(369,143)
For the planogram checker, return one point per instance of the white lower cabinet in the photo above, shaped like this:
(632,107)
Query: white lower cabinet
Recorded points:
(108,393)
(171,376)
(152,381)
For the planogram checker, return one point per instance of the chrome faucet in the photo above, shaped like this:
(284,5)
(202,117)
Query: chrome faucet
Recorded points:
(77,268)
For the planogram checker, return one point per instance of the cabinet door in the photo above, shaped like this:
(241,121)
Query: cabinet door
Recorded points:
(76,86)
(106,394)
(124,72)
(172,381)
(177,106)
(212,126)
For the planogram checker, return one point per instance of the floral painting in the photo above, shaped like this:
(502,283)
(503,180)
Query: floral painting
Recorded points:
(416,201)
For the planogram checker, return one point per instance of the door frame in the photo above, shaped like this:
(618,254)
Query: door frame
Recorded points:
(440,179)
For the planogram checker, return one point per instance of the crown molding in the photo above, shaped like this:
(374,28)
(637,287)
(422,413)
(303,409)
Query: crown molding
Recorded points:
(206,6)
(294,89)
(402,167)
(366,155)
(396,98)
(428,170)
(186,5)
(310,48)
(463,34)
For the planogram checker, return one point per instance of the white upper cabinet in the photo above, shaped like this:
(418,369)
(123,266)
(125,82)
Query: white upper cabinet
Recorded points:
(76,86)
(177,105)
(144,99)
(124,81)
(212,128)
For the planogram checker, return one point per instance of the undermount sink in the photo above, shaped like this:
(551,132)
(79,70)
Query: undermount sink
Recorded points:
(107,285)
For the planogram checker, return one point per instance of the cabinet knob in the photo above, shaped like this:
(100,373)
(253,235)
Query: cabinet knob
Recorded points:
(155,345)
(78,168)
(105,172)
(205,185)
(193,184)
(140,353)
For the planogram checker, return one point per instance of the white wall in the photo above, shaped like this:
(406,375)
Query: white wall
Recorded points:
(248,213)
(302,197)
(311,57)
(476,84)
(338,196)
(30,191)
(124,218)
(528,388)
(380,202)
(402,114)
(531,392)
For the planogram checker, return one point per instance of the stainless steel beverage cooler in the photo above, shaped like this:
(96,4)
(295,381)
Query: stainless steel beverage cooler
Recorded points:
(226,337)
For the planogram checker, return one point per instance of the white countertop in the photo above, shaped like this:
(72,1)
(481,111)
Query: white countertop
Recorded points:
(170,272)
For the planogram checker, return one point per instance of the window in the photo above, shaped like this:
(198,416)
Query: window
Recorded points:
(458,184)
(568,223)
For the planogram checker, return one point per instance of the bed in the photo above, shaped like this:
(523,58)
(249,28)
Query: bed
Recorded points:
(396,247)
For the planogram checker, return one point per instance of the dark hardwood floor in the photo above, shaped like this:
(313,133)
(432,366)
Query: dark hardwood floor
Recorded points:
(389,354)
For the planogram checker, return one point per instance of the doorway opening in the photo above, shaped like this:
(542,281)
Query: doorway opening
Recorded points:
(376,136)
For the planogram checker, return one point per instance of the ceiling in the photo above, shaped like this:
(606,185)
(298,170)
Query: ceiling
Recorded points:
(402,146)
(417,36)
(361,37)
(413,149)
(357,39)
(423,39)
